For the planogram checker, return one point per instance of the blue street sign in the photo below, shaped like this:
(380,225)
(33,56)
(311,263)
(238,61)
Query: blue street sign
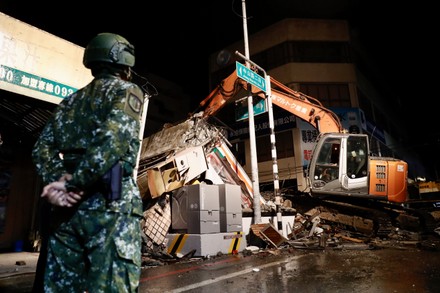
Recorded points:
(248,75)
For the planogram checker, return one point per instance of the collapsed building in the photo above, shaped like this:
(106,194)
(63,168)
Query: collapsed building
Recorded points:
(194,186)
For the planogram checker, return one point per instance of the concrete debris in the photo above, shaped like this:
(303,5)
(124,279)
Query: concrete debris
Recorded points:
(195,152)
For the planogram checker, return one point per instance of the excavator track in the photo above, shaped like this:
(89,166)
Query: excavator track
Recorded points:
(375,218)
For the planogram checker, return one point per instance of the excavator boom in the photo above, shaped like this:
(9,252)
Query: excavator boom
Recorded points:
(304,107)
(335,168)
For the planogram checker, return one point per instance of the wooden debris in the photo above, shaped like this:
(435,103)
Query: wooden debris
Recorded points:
(268,233)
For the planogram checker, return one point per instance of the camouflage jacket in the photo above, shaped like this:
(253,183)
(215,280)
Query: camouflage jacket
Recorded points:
(99,125)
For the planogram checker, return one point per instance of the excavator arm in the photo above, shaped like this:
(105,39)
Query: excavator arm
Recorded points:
(352,173)
(305,107)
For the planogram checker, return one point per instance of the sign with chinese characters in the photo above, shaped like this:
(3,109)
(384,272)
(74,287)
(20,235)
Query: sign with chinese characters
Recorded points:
(250,76)
(33,82)
(37,64)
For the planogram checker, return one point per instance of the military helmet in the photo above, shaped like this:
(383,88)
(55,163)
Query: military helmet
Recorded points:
(111,48)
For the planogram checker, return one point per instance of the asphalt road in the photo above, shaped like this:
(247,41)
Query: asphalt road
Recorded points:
(301,270)
(358,269)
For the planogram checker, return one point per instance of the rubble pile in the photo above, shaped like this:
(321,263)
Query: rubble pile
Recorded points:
(314,229)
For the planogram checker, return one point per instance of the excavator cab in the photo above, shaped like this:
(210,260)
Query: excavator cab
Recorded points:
(339,165)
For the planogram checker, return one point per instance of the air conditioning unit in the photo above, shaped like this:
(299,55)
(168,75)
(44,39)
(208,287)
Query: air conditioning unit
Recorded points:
(195,209)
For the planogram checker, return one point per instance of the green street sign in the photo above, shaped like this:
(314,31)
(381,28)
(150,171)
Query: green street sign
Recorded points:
(251,77)
(241,112)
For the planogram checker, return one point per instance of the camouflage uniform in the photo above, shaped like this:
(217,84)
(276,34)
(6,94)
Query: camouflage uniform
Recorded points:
(95,246)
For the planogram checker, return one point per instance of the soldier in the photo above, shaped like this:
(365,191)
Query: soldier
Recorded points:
(86,154)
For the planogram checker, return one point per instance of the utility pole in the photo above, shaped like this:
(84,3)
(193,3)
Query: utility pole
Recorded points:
(252,140)
(268,93)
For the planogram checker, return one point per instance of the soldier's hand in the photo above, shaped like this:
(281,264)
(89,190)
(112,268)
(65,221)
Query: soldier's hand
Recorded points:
(71,198)
(56,194)
(53,195)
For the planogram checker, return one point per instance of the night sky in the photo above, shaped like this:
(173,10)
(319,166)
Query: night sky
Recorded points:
(173,39)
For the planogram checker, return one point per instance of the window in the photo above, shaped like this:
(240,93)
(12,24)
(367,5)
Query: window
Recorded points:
(327,164)
(263,148)
(238,150)
(357,156)
(293,51)
(283,143)
(303,51)
(330,95)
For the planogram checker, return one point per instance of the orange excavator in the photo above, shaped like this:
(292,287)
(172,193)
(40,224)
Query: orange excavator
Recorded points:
(341,163)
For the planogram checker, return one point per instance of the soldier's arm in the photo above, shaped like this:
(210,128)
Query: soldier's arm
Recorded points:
(113,139)
(46,156)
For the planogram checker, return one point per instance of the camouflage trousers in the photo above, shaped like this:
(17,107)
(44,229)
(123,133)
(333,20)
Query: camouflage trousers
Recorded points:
(94,251)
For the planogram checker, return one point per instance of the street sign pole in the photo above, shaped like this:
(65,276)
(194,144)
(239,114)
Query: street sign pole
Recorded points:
(276,185)
(265,85)
(252,139)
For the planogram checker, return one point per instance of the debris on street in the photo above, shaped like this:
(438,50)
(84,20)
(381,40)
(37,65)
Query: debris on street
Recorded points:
(195,152)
